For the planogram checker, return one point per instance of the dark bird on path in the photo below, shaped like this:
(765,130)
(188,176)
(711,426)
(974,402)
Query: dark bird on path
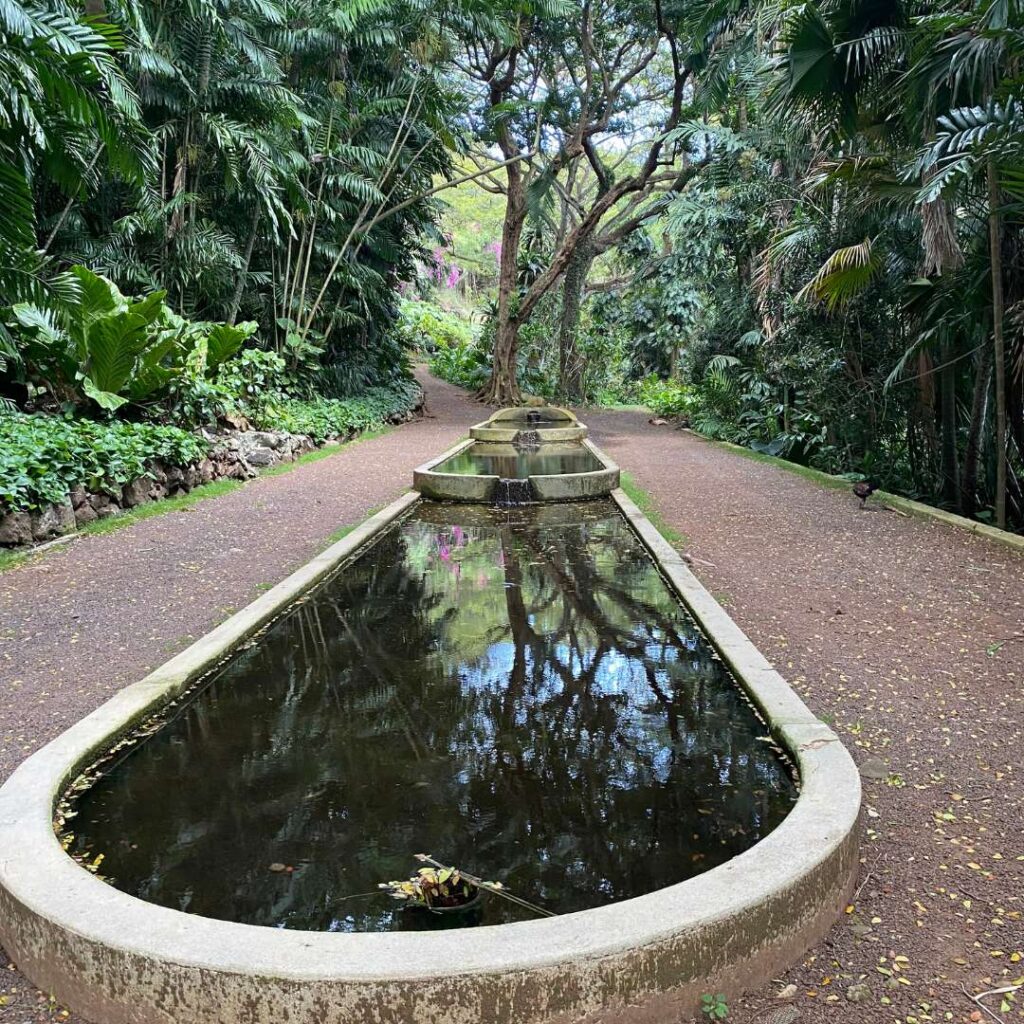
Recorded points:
(864,489)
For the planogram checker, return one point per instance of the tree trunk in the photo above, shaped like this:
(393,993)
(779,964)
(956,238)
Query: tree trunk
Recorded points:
(998,341)
(927,410)
(236,298)
(503,386)
(570,362)
(947,421)
(975,431)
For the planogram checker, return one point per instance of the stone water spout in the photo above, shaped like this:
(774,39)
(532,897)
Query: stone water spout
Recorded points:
(508,493)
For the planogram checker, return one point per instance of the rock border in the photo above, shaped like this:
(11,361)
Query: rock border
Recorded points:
(233,455)
(119,960)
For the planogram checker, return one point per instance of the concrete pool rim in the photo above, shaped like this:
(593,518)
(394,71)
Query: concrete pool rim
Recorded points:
(555,424)
(116,959)
(596,483)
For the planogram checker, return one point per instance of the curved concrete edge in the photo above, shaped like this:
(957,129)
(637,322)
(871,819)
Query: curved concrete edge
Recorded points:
(573,486)
(452,486)
(118,960)
(546,414)
(486,432)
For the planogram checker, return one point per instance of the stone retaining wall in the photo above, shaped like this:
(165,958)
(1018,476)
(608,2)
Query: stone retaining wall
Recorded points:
(233,455)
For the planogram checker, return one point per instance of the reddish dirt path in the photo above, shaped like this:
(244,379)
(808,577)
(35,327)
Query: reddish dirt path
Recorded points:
(881,622)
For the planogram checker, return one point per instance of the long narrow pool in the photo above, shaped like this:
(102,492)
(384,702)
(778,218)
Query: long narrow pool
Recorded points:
(517,692)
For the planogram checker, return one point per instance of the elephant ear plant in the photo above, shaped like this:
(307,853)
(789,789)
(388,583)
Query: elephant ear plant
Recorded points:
(97,343)
(114,350)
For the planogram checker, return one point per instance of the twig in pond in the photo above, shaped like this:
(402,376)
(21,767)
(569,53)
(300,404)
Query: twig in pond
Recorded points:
(357,895)
(493,887)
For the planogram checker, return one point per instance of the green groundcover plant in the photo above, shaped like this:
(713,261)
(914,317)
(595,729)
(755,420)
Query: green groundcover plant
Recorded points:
(43,457)
(322,418)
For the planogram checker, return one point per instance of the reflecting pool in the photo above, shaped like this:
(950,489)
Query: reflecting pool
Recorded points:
(516,692)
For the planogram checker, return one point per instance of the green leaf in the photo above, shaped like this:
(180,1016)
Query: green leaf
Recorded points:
(225,340)
(104,399)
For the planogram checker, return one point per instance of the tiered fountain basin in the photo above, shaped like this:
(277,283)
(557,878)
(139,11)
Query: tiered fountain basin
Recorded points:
(487,471)
(544,694)
(546,422)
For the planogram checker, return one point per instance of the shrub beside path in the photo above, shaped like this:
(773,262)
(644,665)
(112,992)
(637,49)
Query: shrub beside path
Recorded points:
(904,634)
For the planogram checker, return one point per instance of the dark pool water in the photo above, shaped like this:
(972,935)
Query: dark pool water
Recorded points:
(514,692)
(505,460)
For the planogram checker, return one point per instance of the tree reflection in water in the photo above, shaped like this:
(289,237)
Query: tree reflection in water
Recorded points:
(514,692)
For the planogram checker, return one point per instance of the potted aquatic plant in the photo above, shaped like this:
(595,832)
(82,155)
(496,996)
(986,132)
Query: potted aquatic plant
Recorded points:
(437,888)
(442,889)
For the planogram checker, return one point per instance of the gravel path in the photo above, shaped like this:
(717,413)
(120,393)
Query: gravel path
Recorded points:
(890,628)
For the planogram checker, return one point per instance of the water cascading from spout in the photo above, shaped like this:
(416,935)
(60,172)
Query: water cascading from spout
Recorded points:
(527,439)
(512,492)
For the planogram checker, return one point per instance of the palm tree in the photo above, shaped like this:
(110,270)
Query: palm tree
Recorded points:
(67,115)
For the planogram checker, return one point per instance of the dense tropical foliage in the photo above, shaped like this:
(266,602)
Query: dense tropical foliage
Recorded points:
(206,208)
(835,275)
(796,226)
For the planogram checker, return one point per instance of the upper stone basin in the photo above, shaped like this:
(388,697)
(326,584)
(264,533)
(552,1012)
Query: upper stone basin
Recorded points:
(536,423)
(510,474)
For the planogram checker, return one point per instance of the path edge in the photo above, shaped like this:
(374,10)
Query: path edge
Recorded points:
(918,509)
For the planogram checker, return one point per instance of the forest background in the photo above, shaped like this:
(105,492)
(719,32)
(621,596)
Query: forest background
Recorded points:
(794,226)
